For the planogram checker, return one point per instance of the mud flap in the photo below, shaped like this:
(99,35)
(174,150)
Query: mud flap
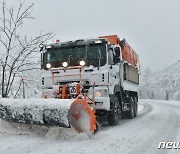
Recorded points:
(82,117)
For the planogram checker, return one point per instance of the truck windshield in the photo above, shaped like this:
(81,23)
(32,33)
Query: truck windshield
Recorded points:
(92,54)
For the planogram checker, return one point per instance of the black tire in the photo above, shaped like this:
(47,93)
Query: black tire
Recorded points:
(135,107)
(130,112)
(114,115)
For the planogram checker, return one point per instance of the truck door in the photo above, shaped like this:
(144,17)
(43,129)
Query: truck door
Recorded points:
(113,67)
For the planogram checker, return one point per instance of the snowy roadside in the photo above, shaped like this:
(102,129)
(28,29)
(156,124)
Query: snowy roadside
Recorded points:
(23,129)
(139,135)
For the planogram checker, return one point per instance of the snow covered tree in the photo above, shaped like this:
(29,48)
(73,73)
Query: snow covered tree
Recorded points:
(17,52)
(147,73)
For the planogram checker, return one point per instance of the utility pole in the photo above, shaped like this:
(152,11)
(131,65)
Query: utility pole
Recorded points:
(22,80)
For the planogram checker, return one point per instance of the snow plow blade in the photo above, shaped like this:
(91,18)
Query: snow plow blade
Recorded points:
(50,112)
(82,117)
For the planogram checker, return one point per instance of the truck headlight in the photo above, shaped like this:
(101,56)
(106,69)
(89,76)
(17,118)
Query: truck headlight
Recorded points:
(101,93)
(48,65)
(97,94)
(82,63)
(64,64)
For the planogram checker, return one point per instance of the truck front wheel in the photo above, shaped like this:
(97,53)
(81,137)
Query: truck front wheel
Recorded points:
(114,114)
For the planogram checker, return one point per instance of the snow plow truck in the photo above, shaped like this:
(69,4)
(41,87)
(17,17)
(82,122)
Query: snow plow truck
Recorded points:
(83,81)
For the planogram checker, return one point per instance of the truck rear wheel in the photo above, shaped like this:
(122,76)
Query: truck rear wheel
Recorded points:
(114,115)
(130,112)
(135,107)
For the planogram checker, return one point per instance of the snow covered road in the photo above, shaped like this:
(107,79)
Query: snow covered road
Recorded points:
(157,121)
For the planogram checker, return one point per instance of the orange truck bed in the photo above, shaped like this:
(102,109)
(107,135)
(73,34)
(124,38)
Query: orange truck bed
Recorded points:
(128,54)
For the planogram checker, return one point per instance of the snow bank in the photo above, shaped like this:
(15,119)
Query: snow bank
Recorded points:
(38,102)
(36,111)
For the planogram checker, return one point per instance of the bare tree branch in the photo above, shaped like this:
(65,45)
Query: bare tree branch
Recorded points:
(18,51)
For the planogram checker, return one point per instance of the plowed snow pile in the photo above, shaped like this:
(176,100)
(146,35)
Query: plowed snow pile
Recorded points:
(37,105)
(40,111)
(43,131)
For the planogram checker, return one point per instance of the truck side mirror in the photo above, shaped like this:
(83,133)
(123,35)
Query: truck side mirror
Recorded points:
(117,52)
(116,58)
(41,47)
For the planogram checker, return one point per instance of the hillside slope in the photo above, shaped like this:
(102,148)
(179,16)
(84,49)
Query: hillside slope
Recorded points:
(164,84)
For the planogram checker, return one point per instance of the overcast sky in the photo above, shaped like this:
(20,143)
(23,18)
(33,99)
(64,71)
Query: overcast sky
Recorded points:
(151,27)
